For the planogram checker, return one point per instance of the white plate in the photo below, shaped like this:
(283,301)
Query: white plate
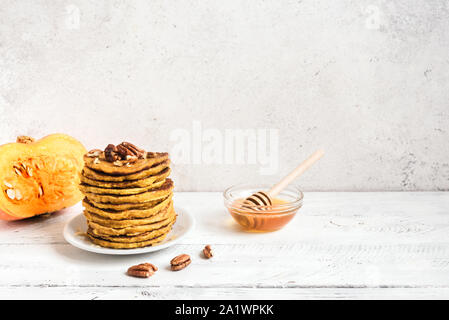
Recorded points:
(77,225)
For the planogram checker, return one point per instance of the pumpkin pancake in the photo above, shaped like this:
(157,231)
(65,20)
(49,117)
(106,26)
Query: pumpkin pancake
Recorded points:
(99,176)
(153,194)
(159,216)
(117,224)
(121,245)
(150,209)
(137,238)
(142,183)
(101,231)
(119,207)
(123,167)
(121,192)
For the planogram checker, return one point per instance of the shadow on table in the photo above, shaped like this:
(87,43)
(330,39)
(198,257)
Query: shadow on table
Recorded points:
(76,255)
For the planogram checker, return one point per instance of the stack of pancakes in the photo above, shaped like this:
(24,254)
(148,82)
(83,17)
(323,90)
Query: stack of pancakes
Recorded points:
(128,202)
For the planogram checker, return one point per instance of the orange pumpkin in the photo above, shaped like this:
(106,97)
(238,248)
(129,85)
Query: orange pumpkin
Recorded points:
(39,177)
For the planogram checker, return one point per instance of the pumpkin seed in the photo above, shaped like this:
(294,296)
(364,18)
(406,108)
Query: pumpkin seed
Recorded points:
(11,194)
(41,191)
(18,172)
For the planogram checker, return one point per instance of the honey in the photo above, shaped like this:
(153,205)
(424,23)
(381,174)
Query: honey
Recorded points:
(272,218)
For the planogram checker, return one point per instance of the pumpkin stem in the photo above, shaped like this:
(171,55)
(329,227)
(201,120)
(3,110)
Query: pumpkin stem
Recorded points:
(25,139)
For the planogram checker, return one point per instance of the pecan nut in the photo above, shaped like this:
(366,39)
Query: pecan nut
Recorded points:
(143,270)
(124,151)
(128,151)
(111,153)
(207,251)
(180,262)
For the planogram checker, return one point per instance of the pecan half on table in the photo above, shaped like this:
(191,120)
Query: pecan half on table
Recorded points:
(180,262)
(207,251)
(143,270)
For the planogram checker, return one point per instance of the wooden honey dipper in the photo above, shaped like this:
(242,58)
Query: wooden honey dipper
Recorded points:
(263,199)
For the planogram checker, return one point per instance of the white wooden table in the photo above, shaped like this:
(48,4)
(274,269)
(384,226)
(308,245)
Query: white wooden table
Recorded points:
(340,245)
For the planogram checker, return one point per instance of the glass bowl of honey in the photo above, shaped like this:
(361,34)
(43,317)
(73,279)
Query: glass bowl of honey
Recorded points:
(262,218)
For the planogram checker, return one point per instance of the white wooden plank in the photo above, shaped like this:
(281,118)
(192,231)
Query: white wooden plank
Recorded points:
(153,293)
(242,265)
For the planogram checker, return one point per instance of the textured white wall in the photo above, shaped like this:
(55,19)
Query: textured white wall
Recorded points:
(366,80)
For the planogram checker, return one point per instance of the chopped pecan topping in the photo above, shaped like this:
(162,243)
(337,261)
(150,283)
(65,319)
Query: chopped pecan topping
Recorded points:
(94,153)
(207,251)
(131,159)
(117,163)
(180,262)
(143,270)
